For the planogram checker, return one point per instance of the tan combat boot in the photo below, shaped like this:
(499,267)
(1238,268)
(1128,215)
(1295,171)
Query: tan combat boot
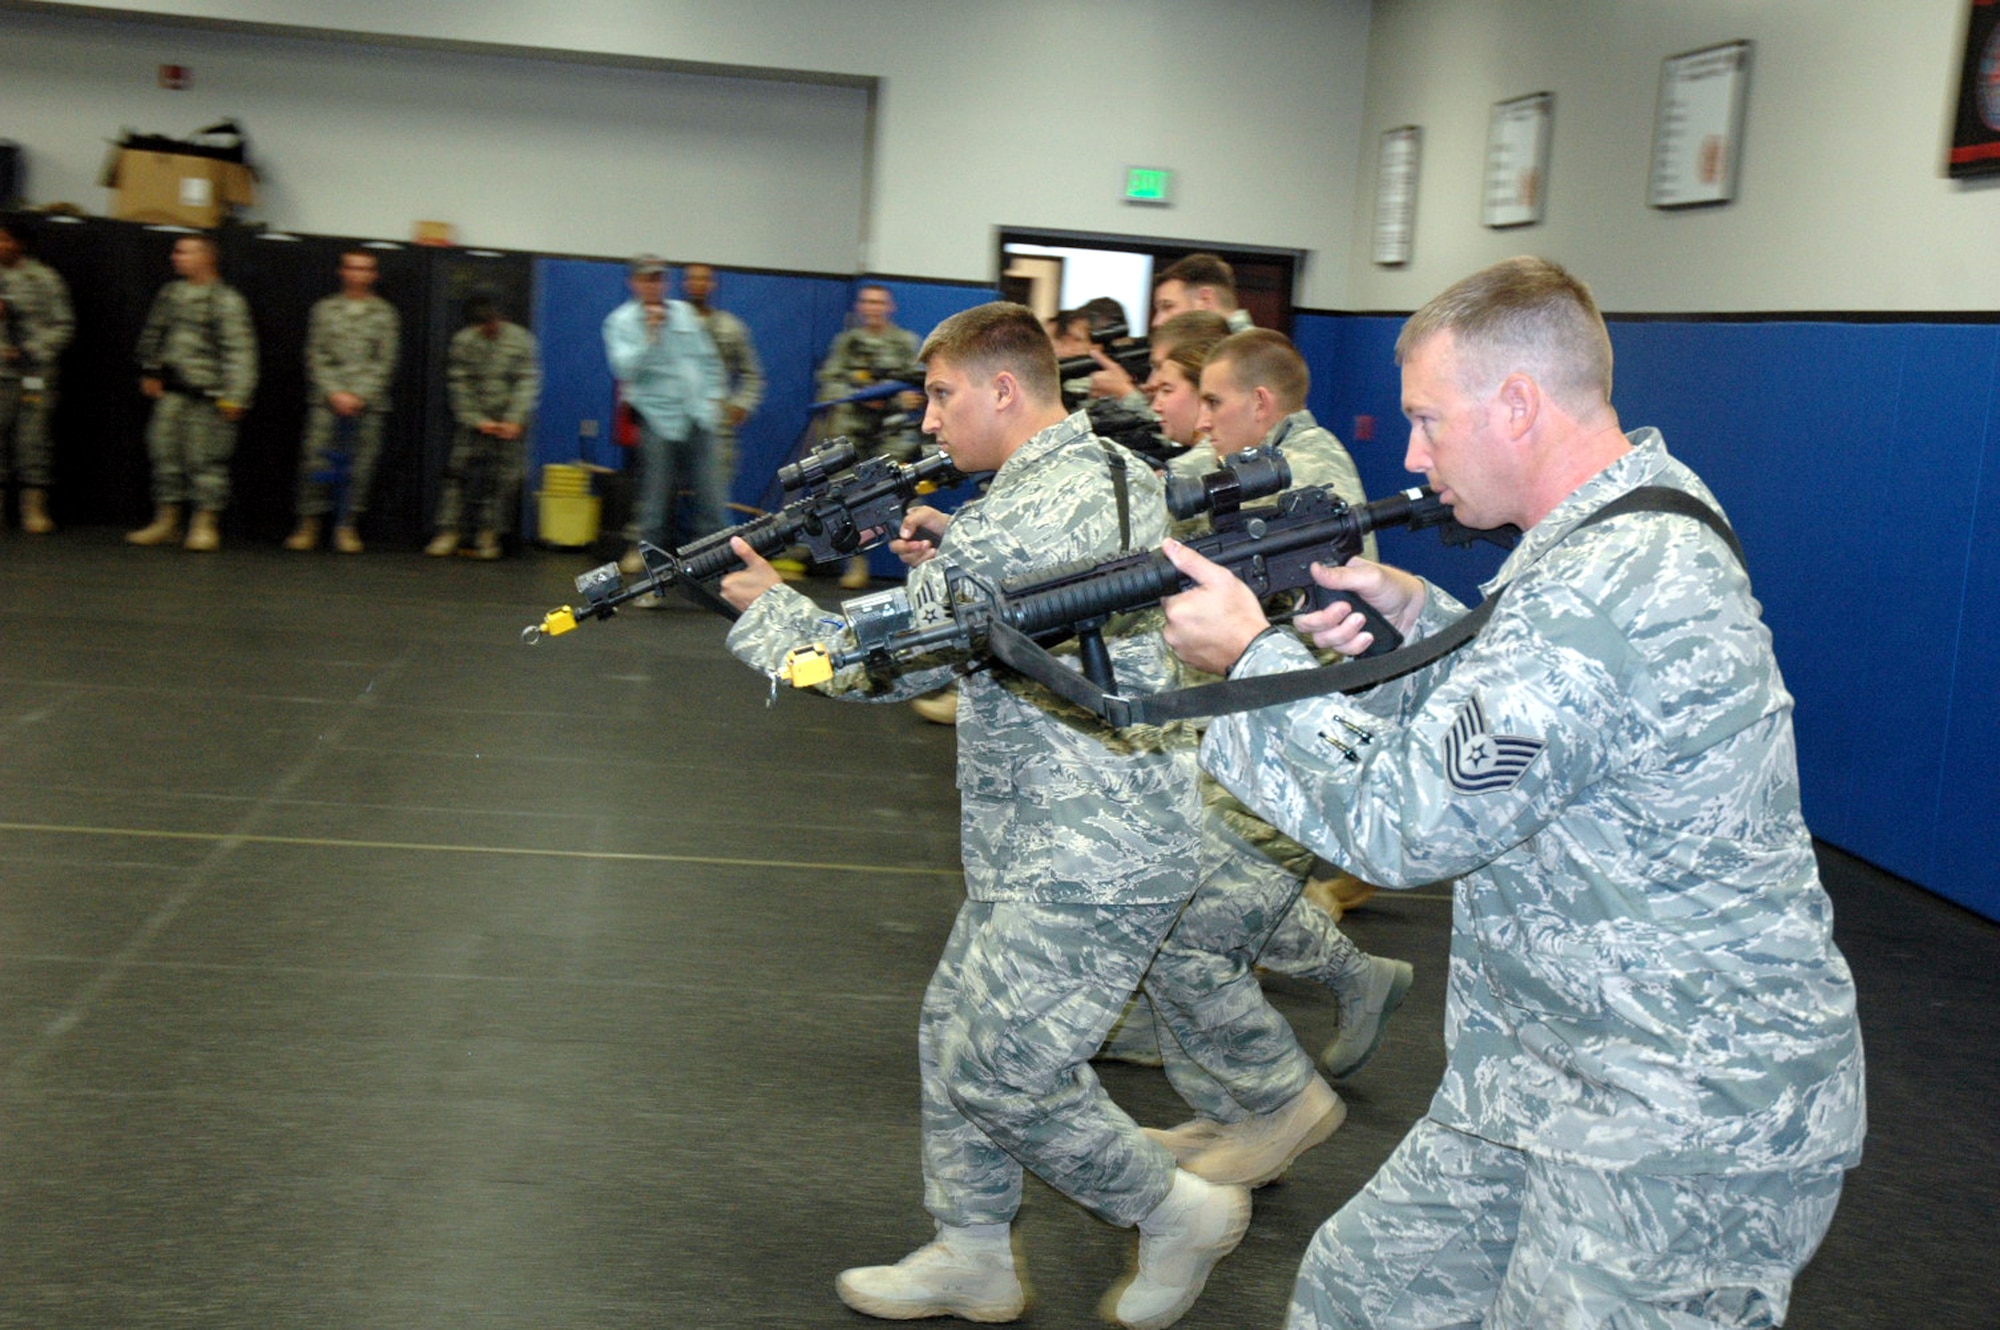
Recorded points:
(442,544)
(165,526)
(486,545)
(35,513)
(203,537)
(346,539)
(304,536)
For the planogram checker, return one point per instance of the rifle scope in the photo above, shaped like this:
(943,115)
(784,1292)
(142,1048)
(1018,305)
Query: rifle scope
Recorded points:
(811,472)
(1250,474)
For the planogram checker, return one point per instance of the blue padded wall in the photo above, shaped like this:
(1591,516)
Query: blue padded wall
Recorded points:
(1860,462)
(572,296)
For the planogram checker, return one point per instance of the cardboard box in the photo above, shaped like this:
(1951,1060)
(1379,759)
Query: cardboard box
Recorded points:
(195,181)
(178,188)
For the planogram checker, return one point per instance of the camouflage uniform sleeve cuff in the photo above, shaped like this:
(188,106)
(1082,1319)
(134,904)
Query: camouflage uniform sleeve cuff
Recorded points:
(1273,651)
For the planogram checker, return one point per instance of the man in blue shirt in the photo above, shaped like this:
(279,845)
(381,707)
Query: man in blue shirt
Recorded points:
(668,371)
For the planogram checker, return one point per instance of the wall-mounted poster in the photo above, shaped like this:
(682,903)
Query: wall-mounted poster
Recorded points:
(1975,139)
(1698,128)
(1396,194)
(1517,159)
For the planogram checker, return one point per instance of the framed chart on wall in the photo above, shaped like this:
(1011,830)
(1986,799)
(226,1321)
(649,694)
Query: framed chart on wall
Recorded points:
(1396,194)
(1975,137)
(1698,127)
(1517,159)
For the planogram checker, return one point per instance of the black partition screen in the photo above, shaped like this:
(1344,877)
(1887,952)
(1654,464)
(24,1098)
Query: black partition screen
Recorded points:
(114,269)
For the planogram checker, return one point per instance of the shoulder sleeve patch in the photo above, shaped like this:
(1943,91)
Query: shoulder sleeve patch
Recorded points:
(1477,761)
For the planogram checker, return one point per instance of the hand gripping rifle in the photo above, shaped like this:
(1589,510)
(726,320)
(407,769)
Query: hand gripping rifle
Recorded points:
(1271,549)
(833,507)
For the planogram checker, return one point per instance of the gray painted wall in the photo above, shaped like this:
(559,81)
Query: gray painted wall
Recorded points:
(516,153)
(1842,204)
(1019,114)
(1024,114)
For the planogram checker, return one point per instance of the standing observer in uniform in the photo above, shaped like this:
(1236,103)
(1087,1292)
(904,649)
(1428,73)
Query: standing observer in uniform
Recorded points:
(1653,1084)
(35,326)
(495,379)
(669,374)
(1079,845)
(742,371)
(198,362)
(871,352)
(351,344)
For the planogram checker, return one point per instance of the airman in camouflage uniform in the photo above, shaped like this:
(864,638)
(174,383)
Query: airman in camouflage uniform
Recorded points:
(198,362)
(495,377)
(1654,1077)
(351,344)
(874,351)
(35,326)
(1080,846)
(1257,1099)
(742,371)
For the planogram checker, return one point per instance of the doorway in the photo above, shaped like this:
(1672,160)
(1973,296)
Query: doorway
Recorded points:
(1063,269)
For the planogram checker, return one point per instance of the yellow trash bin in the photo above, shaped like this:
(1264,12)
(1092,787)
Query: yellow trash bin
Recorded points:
(568,510)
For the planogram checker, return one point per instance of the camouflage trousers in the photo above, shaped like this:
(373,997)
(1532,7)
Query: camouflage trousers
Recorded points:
(1457,1231)
(1021,998)
(337,462)
(482,483)
(1305,942)
(1225,1048)
(190,443)
(24,432)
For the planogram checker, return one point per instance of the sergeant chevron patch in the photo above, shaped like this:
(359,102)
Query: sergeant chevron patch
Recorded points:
(1477,761)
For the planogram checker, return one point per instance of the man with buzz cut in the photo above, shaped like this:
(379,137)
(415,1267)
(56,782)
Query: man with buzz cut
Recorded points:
(351,346)
(1654,1079)
(742,371)
(871,351)
(198,362)
(1080,847)
(1199,281)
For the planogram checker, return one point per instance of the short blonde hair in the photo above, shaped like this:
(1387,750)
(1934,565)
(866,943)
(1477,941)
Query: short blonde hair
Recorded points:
(994,337)
(1260,358)
(1523,315)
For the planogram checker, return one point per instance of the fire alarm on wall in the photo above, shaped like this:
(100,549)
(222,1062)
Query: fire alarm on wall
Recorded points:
(176,78)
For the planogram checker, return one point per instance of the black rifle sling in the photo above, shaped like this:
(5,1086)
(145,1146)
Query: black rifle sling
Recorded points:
(1348,676)
(1115,460)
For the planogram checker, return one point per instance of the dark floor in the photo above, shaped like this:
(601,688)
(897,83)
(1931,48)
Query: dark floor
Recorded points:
(362,967)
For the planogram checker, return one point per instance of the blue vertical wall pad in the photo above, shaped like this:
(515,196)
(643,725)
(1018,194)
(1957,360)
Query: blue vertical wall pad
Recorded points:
(1858,463)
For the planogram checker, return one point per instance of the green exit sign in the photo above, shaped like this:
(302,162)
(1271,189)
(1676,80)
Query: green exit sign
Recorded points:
(1148,184)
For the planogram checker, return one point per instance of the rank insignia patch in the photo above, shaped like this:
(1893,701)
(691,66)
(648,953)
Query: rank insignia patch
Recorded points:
(1477,761)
